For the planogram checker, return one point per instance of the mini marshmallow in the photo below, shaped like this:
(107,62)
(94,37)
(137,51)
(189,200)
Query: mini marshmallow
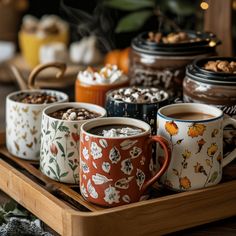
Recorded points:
(123,132)
(53,52)
(107,75)
(138,95)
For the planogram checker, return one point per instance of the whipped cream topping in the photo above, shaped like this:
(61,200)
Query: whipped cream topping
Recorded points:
(109,74)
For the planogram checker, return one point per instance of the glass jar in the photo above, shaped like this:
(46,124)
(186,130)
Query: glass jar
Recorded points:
(213,88)
(163,65)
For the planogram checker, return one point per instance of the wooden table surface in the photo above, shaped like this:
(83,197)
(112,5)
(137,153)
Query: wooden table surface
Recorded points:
(223,227)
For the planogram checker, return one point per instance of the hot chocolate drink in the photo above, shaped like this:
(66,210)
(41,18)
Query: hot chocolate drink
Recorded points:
(73,114)
(111,131)
(36,98)
(191,116)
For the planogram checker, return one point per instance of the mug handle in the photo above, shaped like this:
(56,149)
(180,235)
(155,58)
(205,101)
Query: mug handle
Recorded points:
(230,157)
(32,77)
(167,157)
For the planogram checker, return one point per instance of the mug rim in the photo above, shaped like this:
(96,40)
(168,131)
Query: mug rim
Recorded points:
(205,107)
(65,97)
(76,105)
(108,96)
(115,120)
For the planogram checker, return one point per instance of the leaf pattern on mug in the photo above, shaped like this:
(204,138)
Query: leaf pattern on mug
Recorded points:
(213,177)
(140,178)
(127,166)
(106,167)
(196,130)
(84,167)
(85,153)
(96,151)
(200,144)
(214,133)
(103,143)
(127,144)
(212,150)
(126,198)
(135,152)
(185,183)
(172,128)
(83,191)
(123,183)
(112,195)
(91,190)
(94,165)
(198,168)
(114,155)
(100,179)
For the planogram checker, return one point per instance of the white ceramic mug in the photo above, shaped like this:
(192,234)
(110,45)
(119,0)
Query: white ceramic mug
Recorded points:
(197,146)
(23,123)
(59,157)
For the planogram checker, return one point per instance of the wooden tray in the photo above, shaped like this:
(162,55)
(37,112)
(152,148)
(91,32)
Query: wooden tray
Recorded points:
(62,207)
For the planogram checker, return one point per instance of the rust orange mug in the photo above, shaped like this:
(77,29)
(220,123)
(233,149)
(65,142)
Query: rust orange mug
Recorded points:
(118,170)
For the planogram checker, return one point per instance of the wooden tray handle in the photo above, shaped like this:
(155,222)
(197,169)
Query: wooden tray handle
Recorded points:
(39,68)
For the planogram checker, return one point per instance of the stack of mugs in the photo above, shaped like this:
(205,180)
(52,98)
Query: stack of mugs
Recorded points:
(144,139)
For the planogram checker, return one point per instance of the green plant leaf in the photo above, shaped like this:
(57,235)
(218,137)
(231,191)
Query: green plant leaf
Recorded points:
(129,5)
(10,206)
(133,21)
(181,7)
(61,148)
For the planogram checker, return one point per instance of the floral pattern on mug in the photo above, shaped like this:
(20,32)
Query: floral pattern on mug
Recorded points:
(124,171)
(96,151)
(189,163)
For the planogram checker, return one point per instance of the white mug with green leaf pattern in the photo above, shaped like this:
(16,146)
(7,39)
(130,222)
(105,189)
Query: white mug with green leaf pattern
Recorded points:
(59,157)
(197,145)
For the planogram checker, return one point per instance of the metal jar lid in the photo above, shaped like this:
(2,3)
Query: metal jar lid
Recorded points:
(207,44)
(197,72)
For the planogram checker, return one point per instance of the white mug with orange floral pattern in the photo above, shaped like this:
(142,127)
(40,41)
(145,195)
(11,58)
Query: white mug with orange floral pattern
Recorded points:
(195,132)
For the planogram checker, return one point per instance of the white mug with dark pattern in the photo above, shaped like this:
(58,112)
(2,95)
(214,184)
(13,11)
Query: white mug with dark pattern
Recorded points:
(23,123)
(196,144)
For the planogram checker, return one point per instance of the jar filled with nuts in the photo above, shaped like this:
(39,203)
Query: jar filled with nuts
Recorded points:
(213,81)
(159,59)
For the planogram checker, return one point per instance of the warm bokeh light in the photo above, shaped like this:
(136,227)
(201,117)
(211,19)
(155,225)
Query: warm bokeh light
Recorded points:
(204,5)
